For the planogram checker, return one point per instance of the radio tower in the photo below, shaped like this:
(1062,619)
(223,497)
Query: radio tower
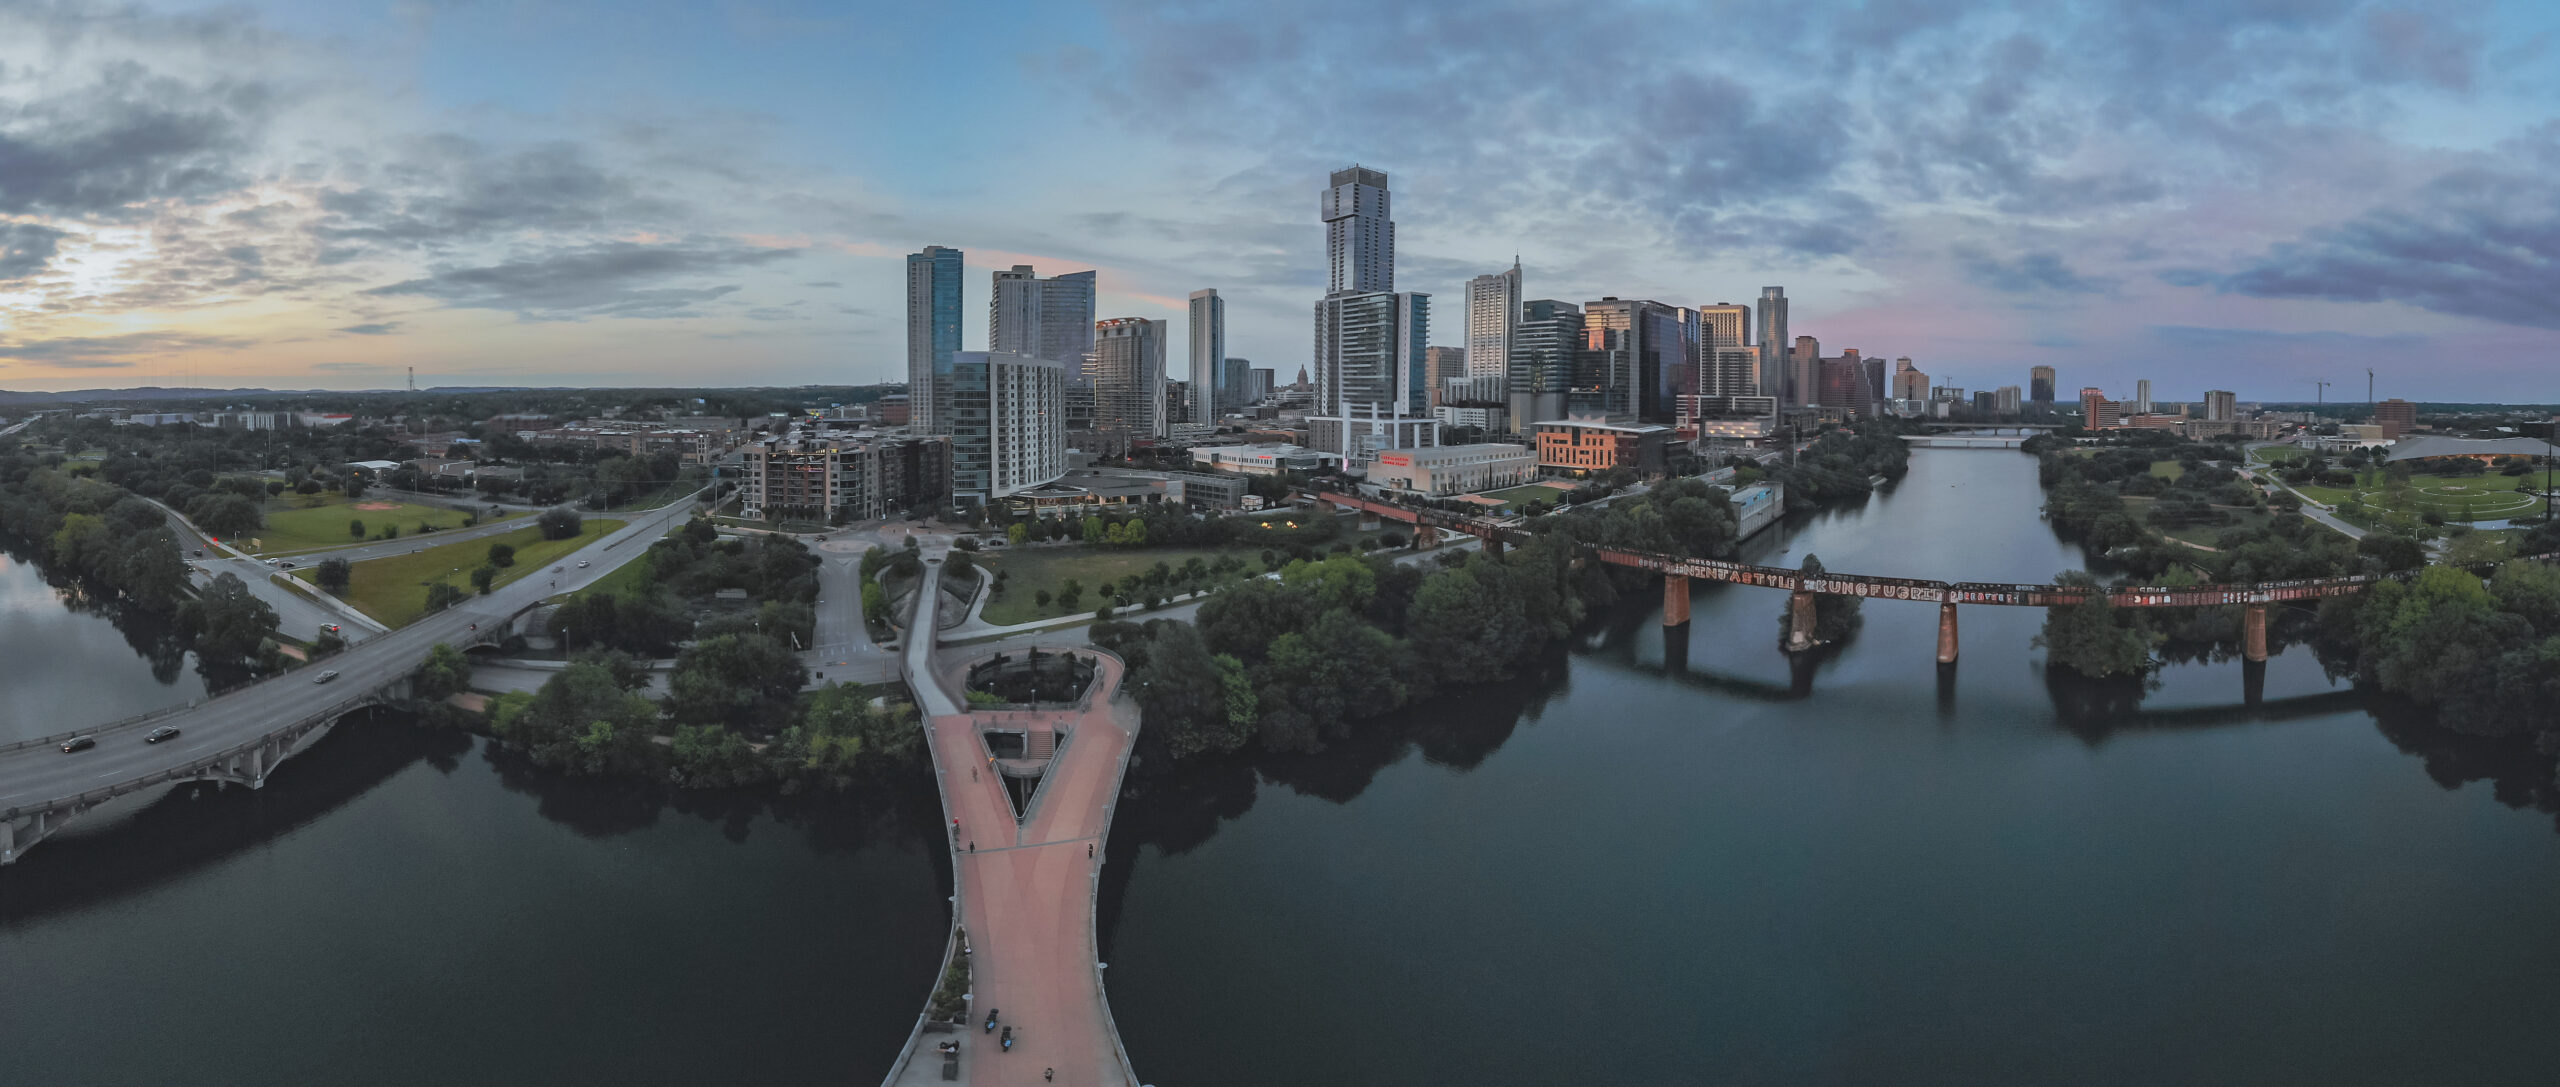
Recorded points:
(413,379)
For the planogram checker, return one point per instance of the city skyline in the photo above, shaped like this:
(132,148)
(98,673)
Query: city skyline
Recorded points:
(2334,188)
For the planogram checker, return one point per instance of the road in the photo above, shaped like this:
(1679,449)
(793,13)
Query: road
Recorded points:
(2312,508)
(36,775)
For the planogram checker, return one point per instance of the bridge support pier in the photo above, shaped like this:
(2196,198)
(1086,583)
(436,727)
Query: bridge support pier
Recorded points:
(1492,547)
(1675,600)
(1947,633)
(2253,632)
(1799,621)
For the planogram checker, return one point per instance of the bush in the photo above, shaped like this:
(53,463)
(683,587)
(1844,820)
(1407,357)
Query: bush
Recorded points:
(355,529)
(560,523)
(502,555)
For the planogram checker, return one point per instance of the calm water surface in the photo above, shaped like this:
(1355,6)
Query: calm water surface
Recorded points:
(1652,863)
(65,662)
(1701,869)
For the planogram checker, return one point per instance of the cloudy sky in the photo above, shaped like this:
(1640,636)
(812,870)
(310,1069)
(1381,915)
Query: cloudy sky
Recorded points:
(2244,194)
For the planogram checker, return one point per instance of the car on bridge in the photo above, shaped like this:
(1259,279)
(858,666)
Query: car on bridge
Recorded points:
(79,743)
(164,732)
(327,676)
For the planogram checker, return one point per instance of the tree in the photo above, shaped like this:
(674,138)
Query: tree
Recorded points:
(446,673)
(355,528)
(1187,693)
(226,620)
(1041,598)
(1017,533)
(502,555)
(355,486)
(391,532)
(483,577)
(442,595)
(1467,624)
(1070,594)
(560,523)
(2095,638)
(2388,551)
(225,514)
(334,575)
(734,679)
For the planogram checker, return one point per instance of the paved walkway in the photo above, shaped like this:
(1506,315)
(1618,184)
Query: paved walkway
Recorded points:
(1026,889)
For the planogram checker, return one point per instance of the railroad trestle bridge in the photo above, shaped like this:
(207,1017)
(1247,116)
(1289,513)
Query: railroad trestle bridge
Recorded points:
(1678,571)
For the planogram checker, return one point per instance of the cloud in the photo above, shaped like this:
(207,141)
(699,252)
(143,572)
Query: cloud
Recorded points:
(108,351)
(2474,243)
(2028,273)
(128,137)
(615,279)
(447,189)
(376,328)
(26,248)
(349,367)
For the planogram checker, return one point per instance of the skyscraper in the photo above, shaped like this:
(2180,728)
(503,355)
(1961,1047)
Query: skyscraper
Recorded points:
(1208,349)
(1440,364)
(1542,356)
(1637,357)
(1044,318)
(2040,384)
(1727,363)
(1804,370)
(1128,376)
(1369,338)
(1774,351)
(933,335)
(1360,238)
(1235,383)
(2006,400)
(2395,416)
(2220,406)
(1493,311)
(2142,397)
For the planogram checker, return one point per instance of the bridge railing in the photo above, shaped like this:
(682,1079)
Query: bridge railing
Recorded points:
(46,741)
(191,767)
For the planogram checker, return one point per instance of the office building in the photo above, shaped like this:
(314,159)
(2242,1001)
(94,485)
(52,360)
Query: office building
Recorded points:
(1804,371)
(1008,424)
(1493,314)
(1235,384)
(2040,384)
(1258,384)
(1775,348)
(1542,357)
(1908,382)
(1453,469)
(1369,391)
(1582,446)
(1439,364)
(1729,417)
(2097,412)
(2395,416)
(1127,376)
(1208,351)
(1986,402)
(2142,397)
(933,333)
(2006,401)
(1370,339)
(2220,406)
(1637,358)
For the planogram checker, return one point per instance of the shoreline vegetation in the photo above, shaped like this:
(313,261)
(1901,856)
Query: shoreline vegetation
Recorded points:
(2475,655)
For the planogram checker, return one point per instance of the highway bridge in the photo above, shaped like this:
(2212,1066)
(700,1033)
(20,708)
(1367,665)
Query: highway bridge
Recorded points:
(1677,571)
(242,735)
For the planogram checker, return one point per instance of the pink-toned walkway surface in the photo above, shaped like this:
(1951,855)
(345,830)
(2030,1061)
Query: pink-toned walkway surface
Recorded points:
(1027,893)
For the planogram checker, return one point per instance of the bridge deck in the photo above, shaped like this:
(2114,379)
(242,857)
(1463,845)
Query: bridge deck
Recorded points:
(1027,889)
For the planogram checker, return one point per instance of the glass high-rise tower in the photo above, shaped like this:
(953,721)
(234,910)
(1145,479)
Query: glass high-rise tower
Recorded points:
(933,335)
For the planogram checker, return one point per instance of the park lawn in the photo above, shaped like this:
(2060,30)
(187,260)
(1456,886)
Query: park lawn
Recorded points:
(2168,469)
(2459,498)
(1029,570)
(393,589)
(2276,454)
(630,579)
(308,522)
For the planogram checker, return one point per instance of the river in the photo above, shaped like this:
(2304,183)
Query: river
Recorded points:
(1649,863)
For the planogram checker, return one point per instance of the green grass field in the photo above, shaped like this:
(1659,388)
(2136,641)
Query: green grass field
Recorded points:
(2455,498)
(307,522)
(2168,469)
(1030,570)
(2276,454)
(393,590)
(626,580)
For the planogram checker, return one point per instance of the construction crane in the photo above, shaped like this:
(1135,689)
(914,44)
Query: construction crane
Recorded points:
(2323,394)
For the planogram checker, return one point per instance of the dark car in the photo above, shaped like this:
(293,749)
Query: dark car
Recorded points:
(326,676)
(199,552)
(286,565)
(164,732)
(79,743)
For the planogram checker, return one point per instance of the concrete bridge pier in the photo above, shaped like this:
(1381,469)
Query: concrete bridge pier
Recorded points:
(1675,600)
(1799,622)
(1947,633)
(1493,546)
(2253,632)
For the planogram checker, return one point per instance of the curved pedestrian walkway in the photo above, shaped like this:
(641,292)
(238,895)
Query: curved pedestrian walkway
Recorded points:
(1026,887)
